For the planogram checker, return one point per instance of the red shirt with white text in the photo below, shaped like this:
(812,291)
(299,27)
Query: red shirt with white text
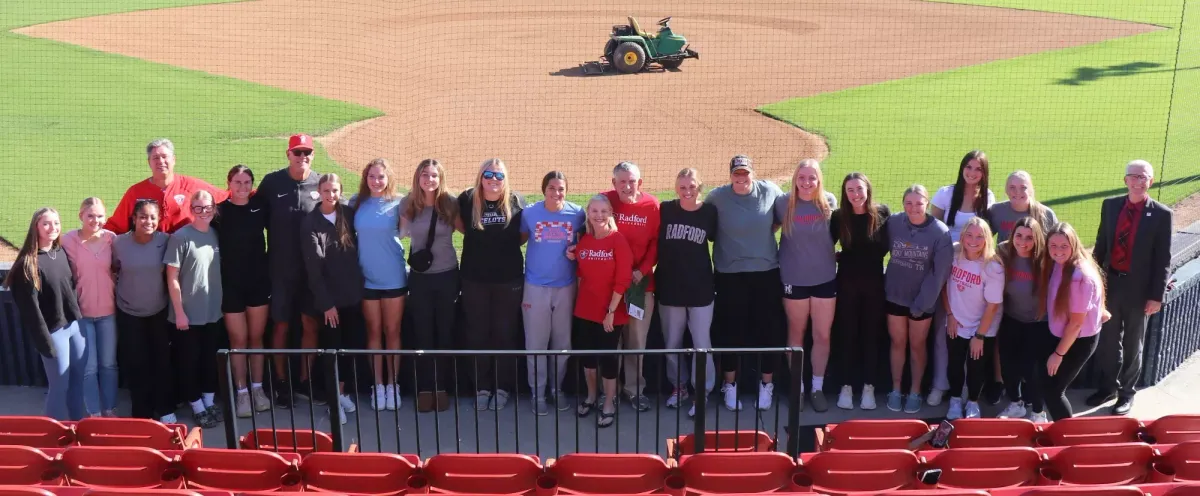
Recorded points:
(605,266)
(173,202)
(638,222)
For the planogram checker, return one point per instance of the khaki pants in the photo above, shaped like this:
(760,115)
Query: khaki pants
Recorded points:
(633,337)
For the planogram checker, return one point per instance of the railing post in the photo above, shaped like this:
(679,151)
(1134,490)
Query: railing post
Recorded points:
(225,382)
(700,357)
(329,360)
(795,401)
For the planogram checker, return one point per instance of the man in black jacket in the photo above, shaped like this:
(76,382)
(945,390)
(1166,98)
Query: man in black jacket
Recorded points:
(1133,247)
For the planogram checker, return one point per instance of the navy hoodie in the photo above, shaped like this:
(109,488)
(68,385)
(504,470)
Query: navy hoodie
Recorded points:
(920,263)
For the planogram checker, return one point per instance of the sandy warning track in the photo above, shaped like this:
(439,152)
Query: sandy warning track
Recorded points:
(467,80)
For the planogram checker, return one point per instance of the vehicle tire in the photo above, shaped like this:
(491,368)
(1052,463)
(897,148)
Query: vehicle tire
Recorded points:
(608,49)
(629,57)
(671,64)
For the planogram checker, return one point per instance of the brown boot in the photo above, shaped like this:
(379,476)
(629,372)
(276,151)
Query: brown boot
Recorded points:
(424,401)
(443,401)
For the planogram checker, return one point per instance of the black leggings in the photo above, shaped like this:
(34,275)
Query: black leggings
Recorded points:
(431,300)
(197,351)
(750,309)
(348,335)
(978,373)
(146,359)
(588,335)
(1021,345)
(493,312)
(1054,389)
(860,324)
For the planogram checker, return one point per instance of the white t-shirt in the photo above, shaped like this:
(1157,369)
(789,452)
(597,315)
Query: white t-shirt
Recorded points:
(331,217)
(971,286)
(942,198)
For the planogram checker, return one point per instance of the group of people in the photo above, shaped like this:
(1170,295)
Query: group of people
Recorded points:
(1015,303)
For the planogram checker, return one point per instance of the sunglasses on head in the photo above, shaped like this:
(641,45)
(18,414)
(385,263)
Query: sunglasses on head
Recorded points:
(499,176)
(301,153)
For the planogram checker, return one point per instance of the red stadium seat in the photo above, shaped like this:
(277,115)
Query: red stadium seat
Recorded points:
(239,470)
(1182,461)
(147,433)
(156,492)
(1068,490)
(585,473)
(725,472)
(937,492)
(303,441)
(26,466)
(993,433)
(501,473)
(38,432)
(1181,490)
(845,471)
(721,441)
(24,491)
(1091,430)
(1102,464)
(869,434)
(1174,429)
(985,468)
(120,467)
(360,473)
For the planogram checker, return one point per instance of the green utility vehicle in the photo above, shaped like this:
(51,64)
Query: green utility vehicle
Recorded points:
(629,49)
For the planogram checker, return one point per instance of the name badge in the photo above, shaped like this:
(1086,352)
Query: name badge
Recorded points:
(636,312)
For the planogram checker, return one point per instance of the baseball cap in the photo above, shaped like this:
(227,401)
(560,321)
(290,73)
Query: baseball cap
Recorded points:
(300,142)
(740,162)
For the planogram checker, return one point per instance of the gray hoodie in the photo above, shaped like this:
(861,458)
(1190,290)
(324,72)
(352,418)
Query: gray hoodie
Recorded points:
(920,263)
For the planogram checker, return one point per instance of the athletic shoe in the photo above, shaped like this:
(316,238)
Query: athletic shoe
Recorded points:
(499,400)
(560,401)
(242,405)
(819,402)
(204,420)
(168,419)
(379,398)
(765,391)
(640,402)
(912,404)
(392,397)
(306,390)
(677,395)
(110,413)
(729,391)
(692,410)
(1038,417)
(894,399)
(216,411)
(935,397)
(259,398)
(540,408)
(868,398)
(283,395)
(973,409)
(955,411)
(347,403)
(1015,409)
(846,398)
(341,413)
(483,400)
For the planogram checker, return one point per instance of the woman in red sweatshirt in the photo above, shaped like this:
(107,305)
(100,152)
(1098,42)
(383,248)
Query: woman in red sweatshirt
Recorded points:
(605,271)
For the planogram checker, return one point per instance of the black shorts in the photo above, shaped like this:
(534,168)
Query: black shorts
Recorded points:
(903,311)
(383,294)
(289,297)
(244,291)
(824,291)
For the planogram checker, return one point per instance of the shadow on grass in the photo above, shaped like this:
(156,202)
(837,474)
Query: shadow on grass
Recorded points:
(1119,191)
(1084,75)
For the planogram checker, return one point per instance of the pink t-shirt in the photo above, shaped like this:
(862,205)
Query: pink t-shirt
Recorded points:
(92,266)
(1085,299)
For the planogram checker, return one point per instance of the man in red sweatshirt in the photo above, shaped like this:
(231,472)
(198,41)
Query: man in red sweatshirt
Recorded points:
(637,220)
(172,192)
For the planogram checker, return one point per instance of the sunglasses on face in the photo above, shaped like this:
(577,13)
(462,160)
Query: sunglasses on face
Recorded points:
(301,153)
(499,176)
(203,209)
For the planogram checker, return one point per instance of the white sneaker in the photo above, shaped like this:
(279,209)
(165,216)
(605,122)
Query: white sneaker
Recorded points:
(346,403)
(1038,417)
(379,398)
(392,397)
(846,398)
(868,398)
(1015,409)
(692,410)
(341,413)
(679,394)
(973,409)
(935,397)
(955,411)
(168,419)
(765,391)
(732,403)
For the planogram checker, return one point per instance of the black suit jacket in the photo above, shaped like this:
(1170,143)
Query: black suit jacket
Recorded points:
(1147,279)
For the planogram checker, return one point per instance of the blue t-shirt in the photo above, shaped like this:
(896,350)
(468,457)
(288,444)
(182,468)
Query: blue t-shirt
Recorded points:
(546,262)
(380,253)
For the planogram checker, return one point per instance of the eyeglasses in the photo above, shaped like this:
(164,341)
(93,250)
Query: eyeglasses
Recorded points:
(205,209)
(499,176)
(301,153)
(1138,177)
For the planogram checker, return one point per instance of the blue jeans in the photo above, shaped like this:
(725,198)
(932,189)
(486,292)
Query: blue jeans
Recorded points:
(101,336)
(64,373)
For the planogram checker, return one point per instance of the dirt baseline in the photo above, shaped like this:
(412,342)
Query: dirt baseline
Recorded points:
(463,81)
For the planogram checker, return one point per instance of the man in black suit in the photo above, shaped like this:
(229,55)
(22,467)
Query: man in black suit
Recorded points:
(1133,247)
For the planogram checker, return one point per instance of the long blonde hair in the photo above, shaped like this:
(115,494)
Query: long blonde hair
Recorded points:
(444,206)
(503,206)
(364,191)
(612,221)
(26,265)
(989,242)
(342,225)
(1080,259)
(819,199)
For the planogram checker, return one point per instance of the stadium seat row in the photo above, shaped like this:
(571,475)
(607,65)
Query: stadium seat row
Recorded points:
(45,432)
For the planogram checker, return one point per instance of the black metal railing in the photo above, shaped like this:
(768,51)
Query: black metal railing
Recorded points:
(463,428)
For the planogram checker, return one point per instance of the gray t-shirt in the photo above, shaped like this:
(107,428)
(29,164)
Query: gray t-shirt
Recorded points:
(444,256)
(1002,218)
(141,289)
(1020,293)
(198,258)
(806,256)
(745,242)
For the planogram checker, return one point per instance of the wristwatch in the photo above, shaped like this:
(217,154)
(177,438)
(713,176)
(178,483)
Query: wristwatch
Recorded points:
(980,336)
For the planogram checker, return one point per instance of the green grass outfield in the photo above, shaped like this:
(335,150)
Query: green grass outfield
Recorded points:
(1070,117)
(86,116)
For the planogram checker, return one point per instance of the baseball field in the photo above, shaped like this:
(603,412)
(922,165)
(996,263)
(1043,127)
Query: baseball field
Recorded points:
(1069,90)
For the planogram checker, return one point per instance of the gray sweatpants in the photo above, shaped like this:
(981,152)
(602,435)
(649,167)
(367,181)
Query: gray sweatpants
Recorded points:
(547,313)
(697,320)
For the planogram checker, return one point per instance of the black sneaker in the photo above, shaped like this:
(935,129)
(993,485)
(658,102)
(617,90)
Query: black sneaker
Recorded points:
(216,412)
(303,392)
(283,395)
(204,420)
(994,392)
